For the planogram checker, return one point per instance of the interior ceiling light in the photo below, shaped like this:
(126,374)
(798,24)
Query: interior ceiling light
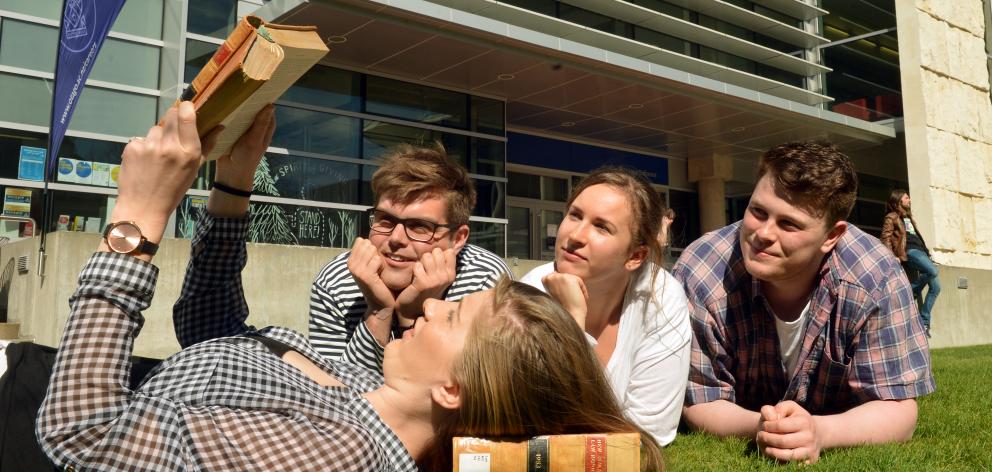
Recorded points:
(567,124)
(635,106)
(506,77)
(336,39)
(737,129)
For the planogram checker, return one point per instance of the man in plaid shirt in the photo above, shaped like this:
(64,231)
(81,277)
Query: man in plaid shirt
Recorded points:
(806,336)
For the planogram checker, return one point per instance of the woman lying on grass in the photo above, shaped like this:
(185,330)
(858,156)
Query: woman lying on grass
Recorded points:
(505,362)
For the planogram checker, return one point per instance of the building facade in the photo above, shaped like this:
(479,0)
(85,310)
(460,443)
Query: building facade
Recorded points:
(529,94)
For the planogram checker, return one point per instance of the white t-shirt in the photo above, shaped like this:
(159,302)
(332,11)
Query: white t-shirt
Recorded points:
(649,367)
(790,338)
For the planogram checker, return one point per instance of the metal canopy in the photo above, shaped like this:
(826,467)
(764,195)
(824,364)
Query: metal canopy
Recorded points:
(573,95)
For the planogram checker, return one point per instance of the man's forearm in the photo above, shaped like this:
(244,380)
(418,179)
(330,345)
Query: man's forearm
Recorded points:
(722,418)
(875,422)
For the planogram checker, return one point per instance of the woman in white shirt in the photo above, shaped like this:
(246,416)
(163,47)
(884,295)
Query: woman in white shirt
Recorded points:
(607,275)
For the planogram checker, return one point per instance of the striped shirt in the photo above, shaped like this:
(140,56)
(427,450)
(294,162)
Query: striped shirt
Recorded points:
(223,404)
(337,306)
(864,340)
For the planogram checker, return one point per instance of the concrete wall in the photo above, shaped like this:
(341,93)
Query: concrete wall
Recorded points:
(276,281)
(948,123)
(961,316)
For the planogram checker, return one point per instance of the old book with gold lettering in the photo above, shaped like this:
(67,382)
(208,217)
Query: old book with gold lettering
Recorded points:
(615,452)
(254,66)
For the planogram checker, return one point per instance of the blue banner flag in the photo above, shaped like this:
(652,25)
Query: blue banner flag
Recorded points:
(85,24)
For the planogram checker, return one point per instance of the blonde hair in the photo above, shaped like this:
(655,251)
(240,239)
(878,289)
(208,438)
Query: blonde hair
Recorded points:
(528,370)
(412,173)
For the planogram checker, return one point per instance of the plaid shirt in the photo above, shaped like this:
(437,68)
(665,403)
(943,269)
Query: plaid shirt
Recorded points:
(224,404)
(864,340)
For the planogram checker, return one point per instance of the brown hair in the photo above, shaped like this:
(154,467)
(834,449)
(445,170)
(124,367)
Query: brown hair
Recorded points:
(816,175)
(895,203)
(645,205)
(412,173)
(526,371)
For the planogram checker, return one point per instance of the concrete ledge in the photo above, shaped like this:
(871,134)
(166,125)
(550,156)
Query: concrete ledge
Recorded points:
(277,285)
(276,280)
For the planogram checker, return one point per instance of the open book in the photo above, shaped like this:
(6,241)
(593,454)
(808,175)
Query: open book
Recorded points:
(611,452)
(254,66)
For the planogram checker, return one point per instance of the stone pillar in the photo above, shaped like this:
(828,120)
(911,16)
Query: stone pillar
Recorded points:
(710,173)
(948,127)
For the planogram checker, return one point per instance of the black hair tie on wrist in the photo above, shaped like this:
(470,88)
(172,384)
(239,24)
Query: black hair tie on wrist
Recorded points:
(231,190)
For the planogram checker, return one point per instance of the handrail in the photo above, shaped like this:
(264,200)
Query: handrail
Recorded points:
(34,226)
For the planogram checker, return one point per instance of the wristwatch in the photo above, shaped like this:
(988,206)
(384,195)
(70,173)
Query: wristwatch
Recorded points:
(124,237)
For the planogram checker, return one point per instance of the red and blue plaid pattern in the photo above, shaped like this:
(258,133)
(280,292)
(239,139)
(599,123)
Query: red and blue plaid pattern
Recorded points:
(864,342)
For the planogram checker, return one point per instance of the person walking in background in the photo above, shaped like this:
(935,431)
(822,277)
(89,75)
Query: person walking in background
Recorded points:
(607,273)
(901,235)
(665,230)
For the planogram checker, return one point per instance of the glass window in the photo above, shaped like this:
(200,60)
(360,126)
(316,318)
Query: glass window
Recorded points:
(554,189)
(661,40)
(11,230)
(550,221)
(128,63)
(685,228)
(416,102)
(50,10)
(212,17)
(10,149)
(198,53)
(306,226)
(544,7)
(25,100)
(365,196)
(379,137)
(121,62)
(28,45)
(488,157)
(114,113)
(76,211)
(488,116)
(518,242)
(663,7)
(287,224)
(490,236)
(327,87)
(523,185)
(491,198)
(595,20)
(312,131)
(308,179)
(140,18)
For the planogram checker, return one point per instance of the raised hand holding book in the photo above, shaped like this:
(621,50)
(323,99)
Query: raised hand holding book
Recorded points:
(257,63)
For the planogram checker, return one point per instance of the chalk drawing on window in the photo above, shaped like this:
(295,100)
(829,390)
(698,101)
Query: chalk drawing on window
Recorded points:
(269,223)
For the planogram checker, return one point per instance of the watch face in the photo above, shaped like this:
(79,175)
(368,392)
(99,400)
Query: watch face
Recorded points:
(124,238)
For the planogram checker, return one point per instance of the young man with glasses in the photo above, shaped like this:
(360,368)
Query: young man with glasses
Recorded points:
(417,249)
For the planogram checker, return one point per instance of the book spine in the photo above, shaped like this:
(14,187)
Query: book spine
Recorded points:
(241,33)
(595,453)
(227,98)
(537,455)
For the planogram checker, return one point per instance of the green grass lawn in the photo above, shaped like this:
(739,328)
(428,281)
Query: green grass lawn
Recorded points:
(954,432)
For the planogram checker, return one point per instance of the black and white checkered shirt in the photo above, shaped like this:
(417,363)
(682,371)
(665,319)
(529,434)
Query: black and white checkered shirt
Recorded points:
(227,403)
(337,306)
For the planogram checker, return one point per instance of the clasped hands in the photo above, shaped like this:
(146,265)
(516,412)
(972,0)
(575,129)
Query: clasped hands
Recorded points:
(432,274)
(787,432)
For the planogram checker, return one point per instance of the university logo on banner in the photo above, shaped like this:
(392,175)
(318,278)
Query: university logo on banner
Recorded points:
(85,24)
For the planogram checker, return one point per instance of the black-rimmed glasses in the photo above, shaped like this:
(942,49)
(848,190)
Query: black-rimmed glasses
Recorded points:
(415,228)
